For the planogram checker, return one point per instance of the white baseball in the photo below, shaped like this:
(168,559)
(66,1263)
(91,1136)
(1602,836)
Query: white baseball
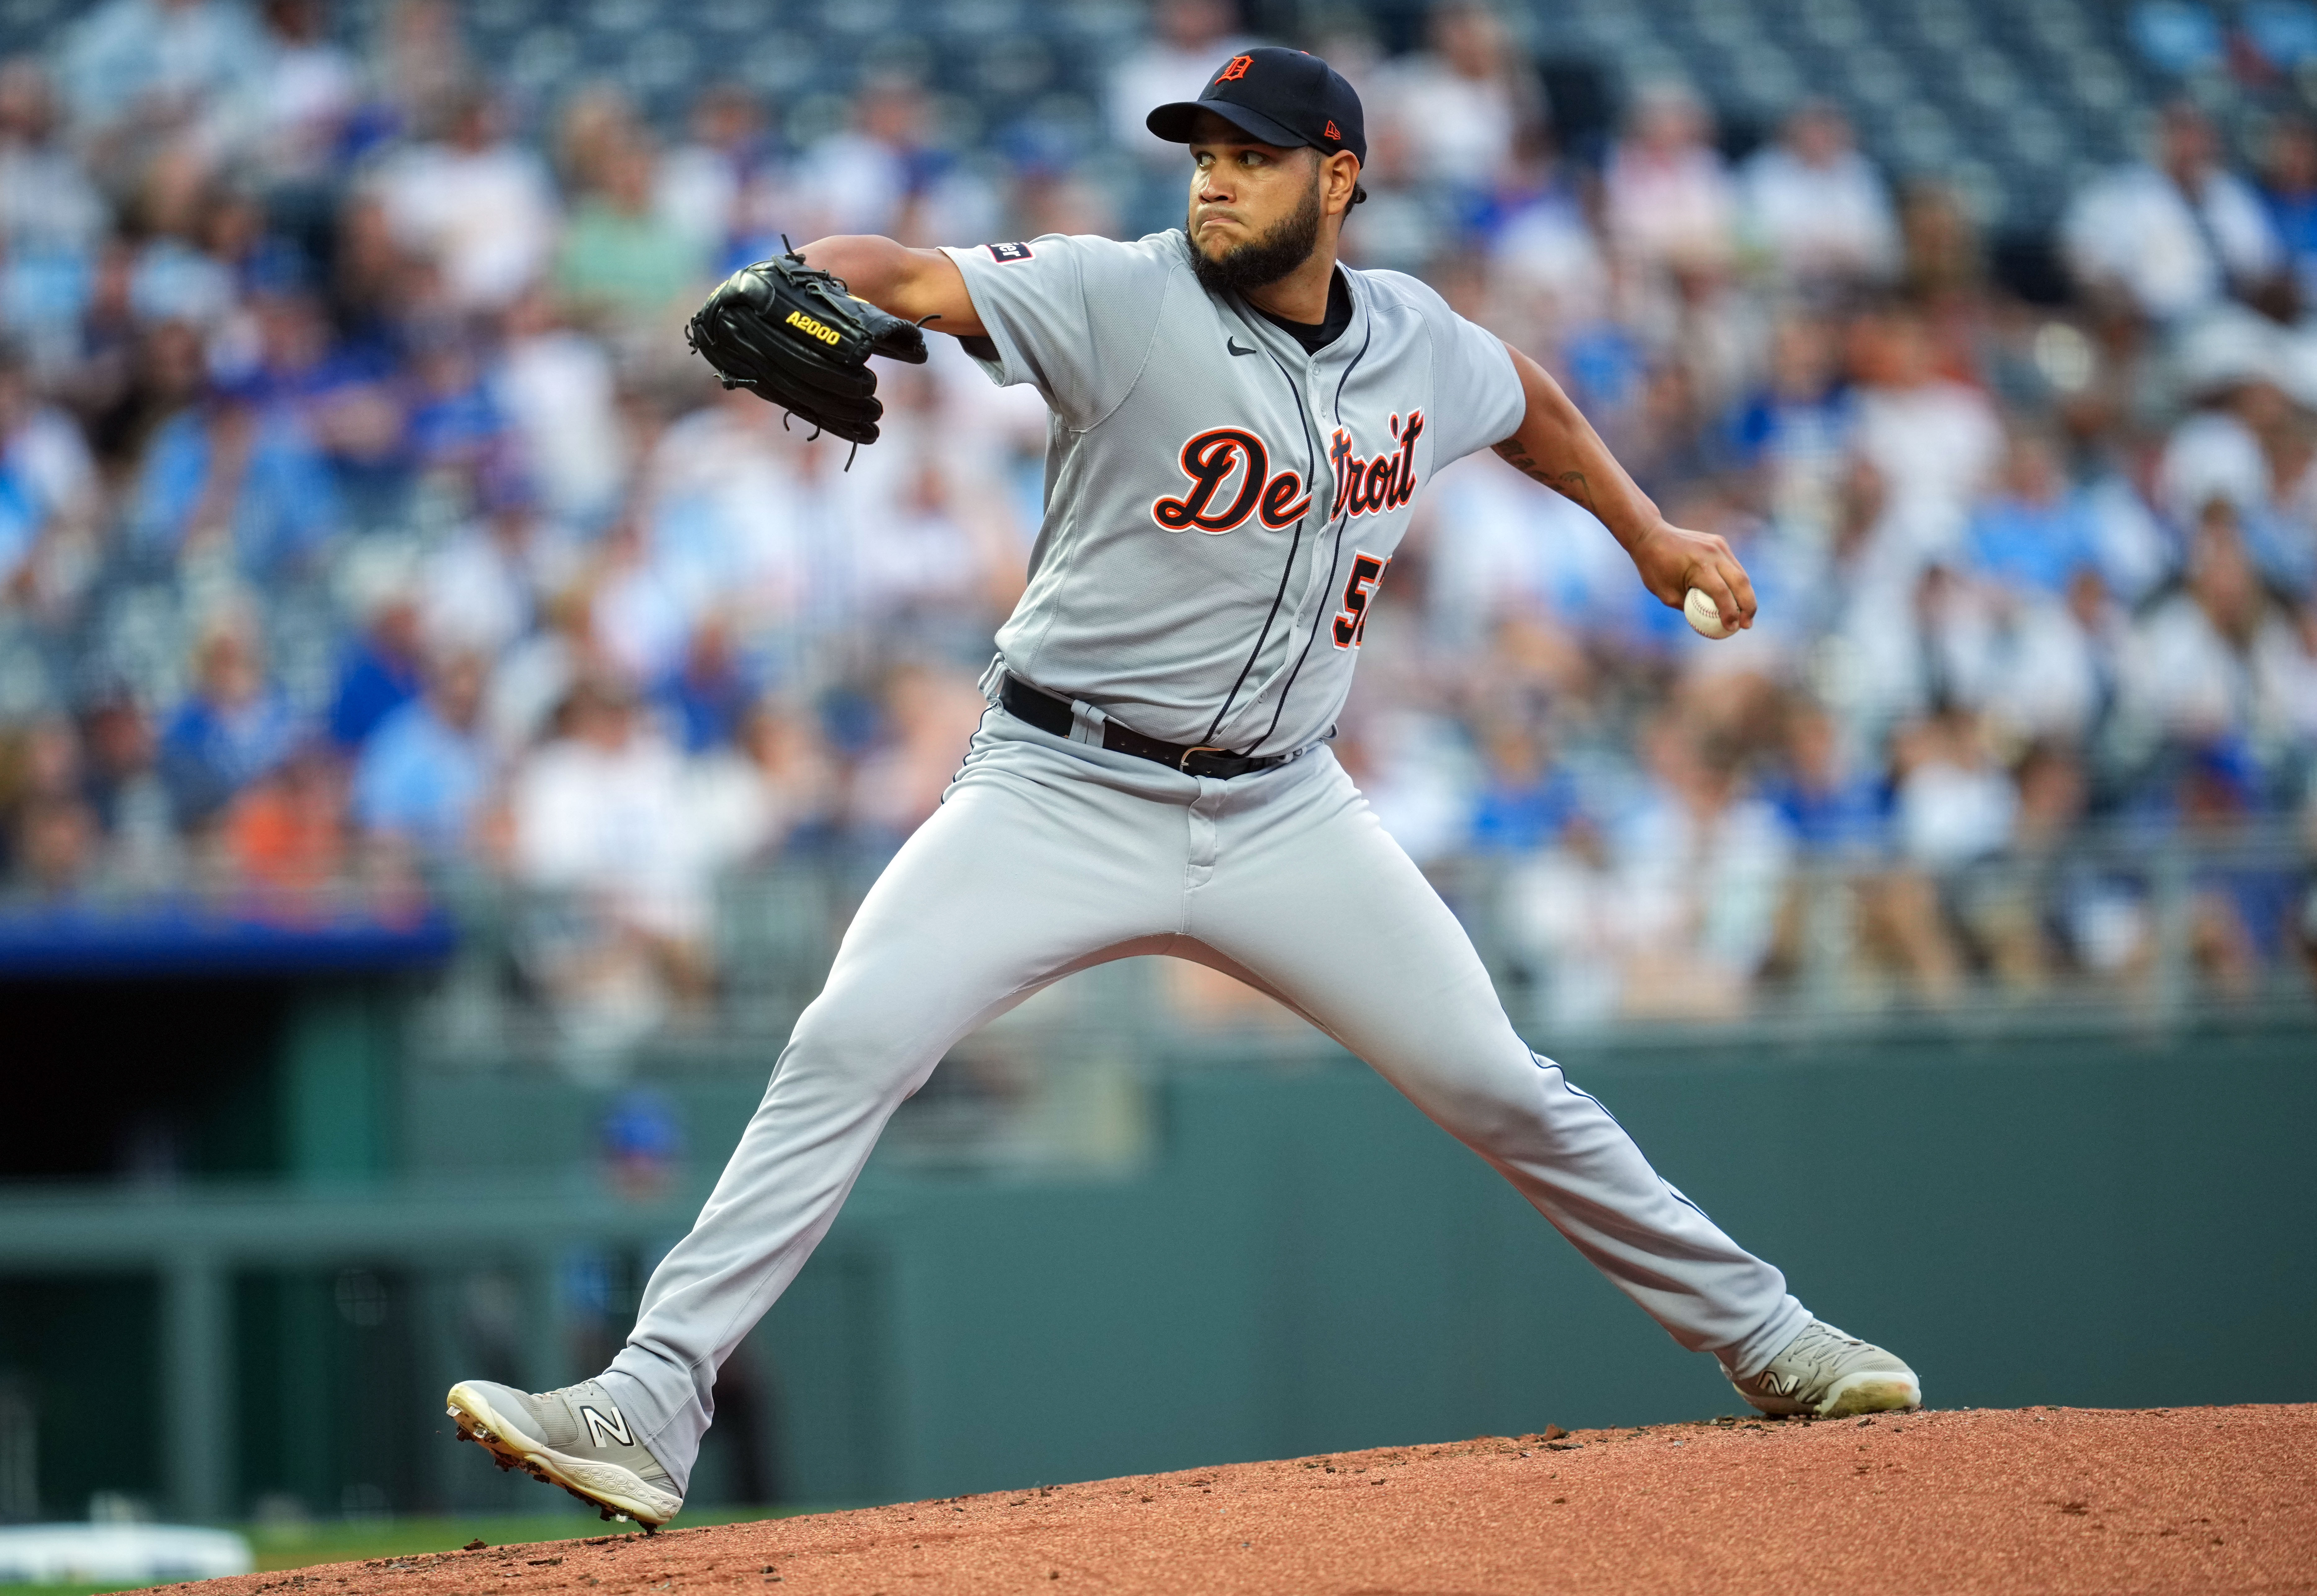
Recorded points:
(1703,615)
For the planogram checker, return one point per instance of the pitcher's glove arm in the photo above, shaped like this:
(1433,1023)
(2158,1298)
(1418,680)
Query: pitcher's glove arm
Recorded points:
(794,337)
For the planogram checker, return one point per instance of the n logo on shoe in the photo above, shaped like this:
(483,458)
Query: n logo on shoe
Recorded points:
(602,1431)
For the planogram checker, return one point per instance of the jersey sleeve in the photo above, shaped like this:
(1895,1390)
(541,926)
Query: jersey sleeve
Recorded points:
(1477,392)
(1073,316)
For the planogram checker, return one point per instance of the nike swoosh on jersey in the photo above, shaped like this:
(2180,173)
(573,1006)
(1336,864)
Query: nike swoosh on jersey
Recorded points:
(1232,344)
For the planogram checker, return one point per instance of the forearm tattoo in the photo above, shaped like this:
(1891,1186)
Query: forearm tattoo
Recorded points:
(1570,485)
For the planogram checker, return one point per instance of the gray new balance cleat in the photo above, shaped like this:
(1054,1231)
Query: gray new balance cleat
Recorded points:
(576,1438)
(1828,1374)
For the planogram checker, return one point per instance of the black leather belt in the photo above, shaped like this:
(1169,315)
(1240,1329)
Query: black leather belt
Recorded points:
(1049,714)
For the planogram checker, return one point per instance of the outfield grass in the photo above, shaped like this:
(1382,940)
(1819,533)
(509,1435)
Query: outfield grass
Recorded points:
(352,1540)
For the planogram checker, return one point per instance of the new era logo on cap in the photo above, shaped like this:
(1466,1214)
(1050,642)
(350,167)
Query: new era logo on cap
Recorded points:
(1331,133)
(1007,253)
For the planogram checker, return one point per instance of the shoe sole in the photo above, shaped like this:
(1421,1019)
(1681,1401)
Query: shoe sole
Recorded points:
(606,1486)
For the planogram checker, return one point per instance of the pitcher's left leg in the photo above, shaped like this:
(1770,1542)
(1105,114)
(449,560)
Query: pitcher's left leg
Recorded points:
(1315,900)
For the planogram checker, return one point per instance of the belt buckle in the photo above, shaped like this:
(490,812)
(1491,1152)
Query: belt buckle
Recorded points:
(1184,764)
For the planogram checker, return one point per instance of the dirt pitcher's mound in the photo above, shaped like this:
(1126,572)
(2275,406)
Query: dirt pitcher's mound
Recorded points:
(2190,1500)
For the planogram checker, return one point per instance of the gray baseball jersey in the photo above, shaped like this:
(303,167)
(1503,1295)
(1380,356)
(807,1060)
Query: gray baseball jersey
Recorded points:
(1220,506)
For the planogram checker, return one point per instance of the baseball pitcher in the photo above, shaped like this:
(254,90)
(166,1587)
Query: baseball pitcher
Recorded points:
(1239,427)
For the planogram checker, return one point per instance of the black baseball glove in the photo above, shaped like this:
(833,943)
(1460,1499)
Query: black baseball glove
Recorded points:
(795,338)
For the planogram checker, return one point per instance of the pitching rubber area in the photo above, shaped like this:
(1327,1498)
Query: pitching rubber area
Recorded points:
(2187,1500)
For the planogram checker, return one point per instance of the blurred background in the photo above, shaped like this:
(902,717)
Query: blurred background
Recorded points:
(442,735)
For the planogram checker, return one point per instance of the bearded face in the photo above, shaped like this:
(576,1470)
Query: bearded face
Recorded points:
(1285,246)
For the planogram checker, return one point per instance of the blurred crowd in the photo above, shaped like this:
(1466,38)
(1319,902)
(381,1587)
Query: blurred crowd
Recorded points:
(364,522)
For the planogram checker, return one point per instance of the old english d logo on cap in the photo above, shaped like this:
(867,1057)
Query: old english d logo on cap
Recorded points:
(1274,95)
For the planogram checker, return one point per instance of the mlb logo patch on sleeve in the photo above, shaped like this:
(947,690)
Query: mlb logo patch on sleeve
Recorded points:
(1007,253)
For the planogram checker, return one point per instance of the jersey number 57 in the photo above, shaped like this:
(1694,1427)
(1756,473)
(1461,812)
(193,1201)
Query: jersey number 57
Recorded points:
(1351,624)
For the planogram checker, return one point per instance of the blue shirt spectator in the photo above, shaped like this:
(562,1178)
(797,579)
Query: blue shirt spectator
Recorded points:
(708,697)
(380,675)
(2288,188)
(2037,530)
(425,771)
(258,471)
(234,729)
(1525,801)
(1829,809)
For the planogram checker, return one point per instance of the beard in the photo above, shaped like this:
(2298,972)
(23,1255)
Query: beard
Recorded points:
(1266,260)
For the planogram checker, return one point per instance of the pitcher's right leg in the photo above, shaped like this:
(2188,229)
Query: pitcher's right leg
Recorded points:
(1010,885)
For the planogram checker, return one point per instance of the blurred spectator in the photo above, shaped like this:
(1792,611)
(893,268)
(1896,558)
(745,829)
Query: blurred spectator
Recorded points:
(41,771)
(599,818)
(1795,429)
(1525,800)
(598,810)
(50,210)
(418,57)
(1567,913)
(622,259)
(124,787)
(55,846)
(2174,234)
(930,716)
(1191,40)
(1703,866)
(1829,807)
(139,72)
(1953,805)
(2035,531)
(922,567)
(1946,265)
(1668,202)
(884,175)
(2289,189)
(1403,224)
(177,275)
(48,480)
(1461,102)
(285,832)
(532,678)
(478,207)
(1816,206)
(558,390)
(2238,908)
(703,189)
(224,475)
(234,727)
(641,1140)
(708,693)
(380,672)
(2246,442)
(797,796)
(481,587)
(1541,238)
(423,776)
(305,102)
(1933,442)
(2220,660)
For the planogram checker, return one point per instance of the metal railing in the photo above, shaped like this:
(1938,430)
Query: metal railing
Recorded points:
(2146,930)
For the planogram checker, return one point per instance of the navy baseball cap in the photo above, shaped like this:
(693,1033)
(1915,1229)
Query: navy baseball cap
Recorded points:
(1275,95)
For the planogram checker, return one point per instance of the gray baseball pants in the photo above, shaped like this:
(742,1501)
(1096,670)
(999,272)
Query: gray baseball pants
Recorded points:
(1049,855)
